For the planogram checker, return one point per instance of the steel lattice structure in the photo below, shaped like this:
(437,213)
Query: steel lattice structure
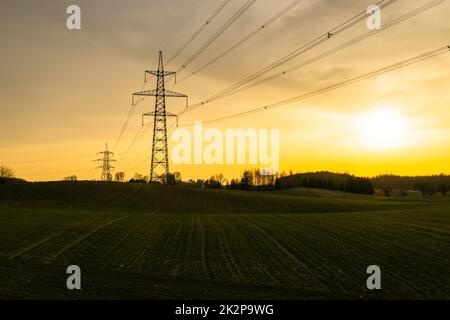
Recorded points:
(160,154)
(106,164)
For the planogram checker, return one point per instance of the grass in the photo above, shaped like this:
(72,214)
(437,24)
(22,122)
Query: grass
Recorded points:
(153,242)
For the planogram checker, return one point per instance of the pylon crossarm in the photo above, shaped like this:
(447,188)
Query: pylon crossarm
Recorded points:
(147,93)
(152,114)
(169,93)
(173,116)
(154,93)
(158,73)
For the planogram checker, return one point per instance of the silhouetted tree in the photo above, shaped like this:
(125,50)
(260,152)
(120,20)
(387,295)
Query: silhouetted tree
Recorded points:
(257,177)
(443,189)
(174,178)
(218,178)
(6,173)
(277,184)
(387,191)
(138,178)
(120,176)
(247,180)
(234,184)
(426,189)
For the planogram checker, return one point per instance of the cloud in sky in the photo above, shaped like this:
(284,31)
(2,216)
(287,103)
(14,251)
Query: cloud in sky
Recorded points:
(63,90)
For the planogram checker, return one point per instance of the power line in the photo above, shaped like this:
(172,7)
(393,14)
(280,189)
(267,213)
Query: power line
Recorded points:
(124,127)
(187,21)
(147,152)
(366,76)
(312,44)
(127,120)
(139,164)
(218,33)
(137,137)
(349,43)
(244,39)
(198,31)
(134,104)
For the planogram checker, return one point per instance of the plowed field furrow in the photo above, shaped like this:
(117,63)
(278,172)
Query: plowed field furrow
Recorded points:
(412,251)
(363,251)
(79,240)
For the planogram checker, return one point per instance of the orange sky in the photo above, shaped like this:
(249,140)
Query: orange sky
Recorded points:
(65,93)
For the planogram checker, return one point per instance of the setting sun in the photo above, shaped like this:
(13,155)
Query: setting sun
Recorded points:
(383,128)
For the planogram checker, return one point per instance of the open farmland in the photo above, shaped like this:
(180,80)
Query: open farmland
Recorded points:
(150,241)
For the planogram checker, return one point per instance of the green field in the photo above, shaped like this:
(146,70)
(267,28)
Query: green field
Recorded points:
(137,241)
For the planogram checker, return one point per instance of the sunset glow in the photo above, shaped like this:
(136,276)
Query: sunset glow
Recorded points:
(383,129)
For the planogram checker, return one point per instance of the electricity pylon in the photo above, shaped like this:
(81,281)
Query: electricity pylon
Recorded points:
(106,164)
(159,170)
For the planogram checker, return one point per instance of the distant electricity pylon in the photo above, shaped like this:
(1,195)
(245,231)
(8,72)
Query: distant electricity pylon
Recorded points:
(160,155)
(106,164)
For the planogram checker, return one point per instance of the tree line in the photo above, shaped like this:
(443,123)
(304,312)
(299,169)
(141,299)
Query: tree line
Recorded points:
(328,181)
(426,185)
(255,180)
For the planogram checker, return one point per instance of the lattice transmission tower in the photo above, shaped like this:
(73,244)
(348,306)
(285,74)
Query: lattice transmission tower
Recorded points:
(159,170)
(106,166)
